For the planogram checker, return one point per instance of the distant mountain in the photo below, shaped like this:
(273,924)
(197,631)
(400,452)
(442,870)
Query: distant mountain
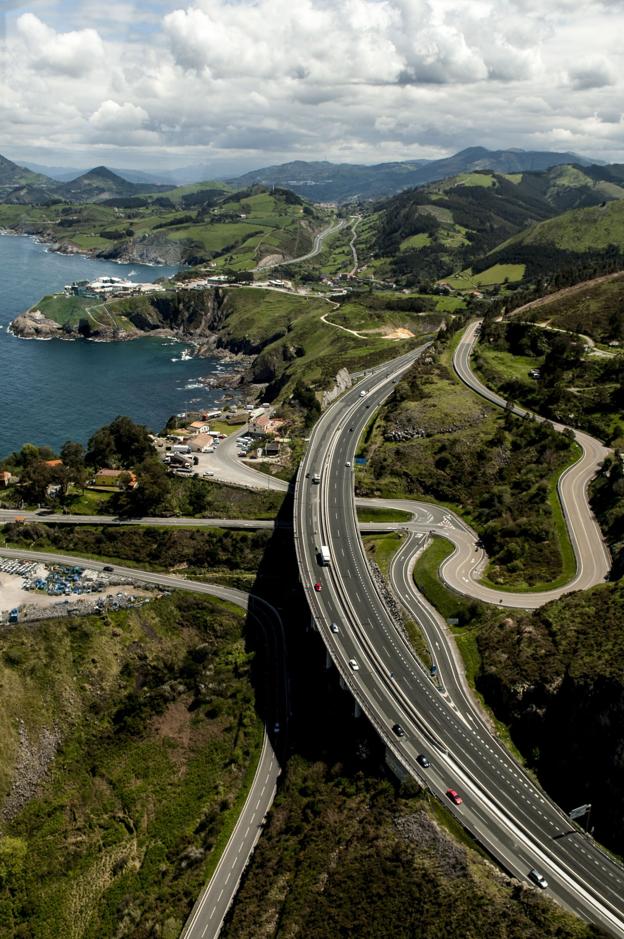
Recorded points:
(21,185)
(64,174)
(335,182)
(341,182)
(101,183)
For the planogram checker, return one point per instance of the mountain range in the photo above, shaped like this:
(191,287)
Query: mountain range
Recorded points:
(317,181)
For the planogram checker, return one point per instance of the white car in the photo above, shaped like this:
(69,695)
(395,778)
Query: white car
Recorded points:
(362,394)
(208,472)
(334,627)
(538,878)
(348,464)
(354,665)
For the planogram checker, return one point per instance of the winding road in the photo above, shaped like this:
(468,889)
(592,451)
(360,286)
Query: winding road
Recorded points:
(316,248)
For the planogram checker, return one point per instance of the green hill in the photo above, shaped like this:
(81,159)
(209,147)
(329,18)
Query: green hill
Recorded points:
(485,224)
(579,230)
(193,225)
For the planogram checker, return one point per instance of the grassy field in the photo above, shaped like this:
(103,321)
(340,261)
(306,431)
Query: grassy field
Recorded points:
(382,548)
(149,763)
(497,274)
(382,515)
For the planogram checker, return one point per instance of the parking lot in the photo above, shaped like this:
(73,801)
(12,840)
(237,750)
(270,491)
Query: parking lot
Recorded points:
(30,590)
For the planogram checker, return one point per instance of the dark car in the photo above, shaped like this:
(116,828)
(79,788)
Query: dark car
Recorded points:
(108,568)
(423,759)
(398,730)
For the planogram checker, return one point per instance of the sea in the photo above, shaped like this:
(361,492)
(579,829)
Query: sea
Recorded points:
(58,390)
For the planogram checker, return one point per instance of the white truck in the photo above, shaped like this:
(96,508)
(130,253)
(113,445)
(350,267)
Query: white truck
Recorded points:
(324,555)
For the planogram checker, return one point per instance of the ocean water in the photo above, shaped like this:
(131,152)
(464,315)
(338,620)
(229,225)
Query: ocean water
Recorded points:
(54,391)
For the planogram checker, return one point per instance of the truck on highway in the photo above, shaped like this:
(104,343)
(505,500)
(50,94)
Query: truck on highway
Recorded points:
(324,555)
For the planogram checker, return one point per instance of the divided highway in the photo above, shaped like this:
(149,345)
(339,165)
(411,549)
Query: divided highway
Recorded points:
(503,807)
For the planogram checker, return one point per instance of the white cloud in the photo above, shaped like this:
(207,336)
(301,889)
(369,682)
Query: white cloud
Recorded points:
(73,53)
(112,116)
(272,80)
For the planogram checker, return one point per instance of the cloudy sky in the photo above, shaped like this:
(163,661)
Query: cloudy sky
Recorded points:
(238,84)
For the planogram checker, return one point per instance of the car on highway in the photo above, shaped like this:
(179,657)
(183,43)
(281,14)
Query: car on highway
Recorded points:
(348,464)
(354,665)
(108,568)
(334,627)
(276,727)
(424,761)
(317,586)
(538,878)
(362,394)
(454,796)
(398,730)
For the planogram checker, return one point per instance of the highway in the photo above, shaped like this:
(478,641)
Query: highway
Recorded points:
(208,913)
(316,248)
(503,807)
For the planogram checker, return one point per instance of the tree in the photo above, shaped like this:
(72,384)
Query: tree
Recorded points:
(122,443)
(151,492)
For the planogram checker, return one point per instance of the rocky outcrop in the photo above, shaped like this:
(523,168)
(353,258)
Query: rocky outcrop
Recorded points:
(193,315)
(34,325)
(342,382)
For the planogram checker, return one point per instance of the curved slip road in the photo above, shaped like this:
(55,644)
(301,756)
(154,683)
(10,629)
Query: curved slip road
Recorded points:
(592,558)
(208,913)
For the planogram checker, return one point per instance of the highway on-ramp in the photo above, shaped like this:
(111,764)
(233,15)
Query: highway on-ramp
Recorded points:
(503,807)
(209,911)
(592,558)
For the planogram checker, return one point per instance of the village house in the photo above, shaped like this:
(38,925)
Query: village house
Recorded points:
(115,479)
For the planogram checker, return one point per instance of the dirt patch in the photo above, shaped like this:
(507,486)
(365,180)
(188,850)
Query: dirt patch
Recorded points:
(175,722)
(400,333)
(31,767)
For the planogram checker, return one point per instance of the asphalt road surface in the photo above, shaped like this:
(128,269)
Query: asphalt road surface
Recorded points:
(502,805)
(207,915)
(592,558)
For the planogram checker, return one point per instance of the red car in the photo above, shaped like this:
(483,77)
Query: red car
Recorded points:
(317,587)
(454,796)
